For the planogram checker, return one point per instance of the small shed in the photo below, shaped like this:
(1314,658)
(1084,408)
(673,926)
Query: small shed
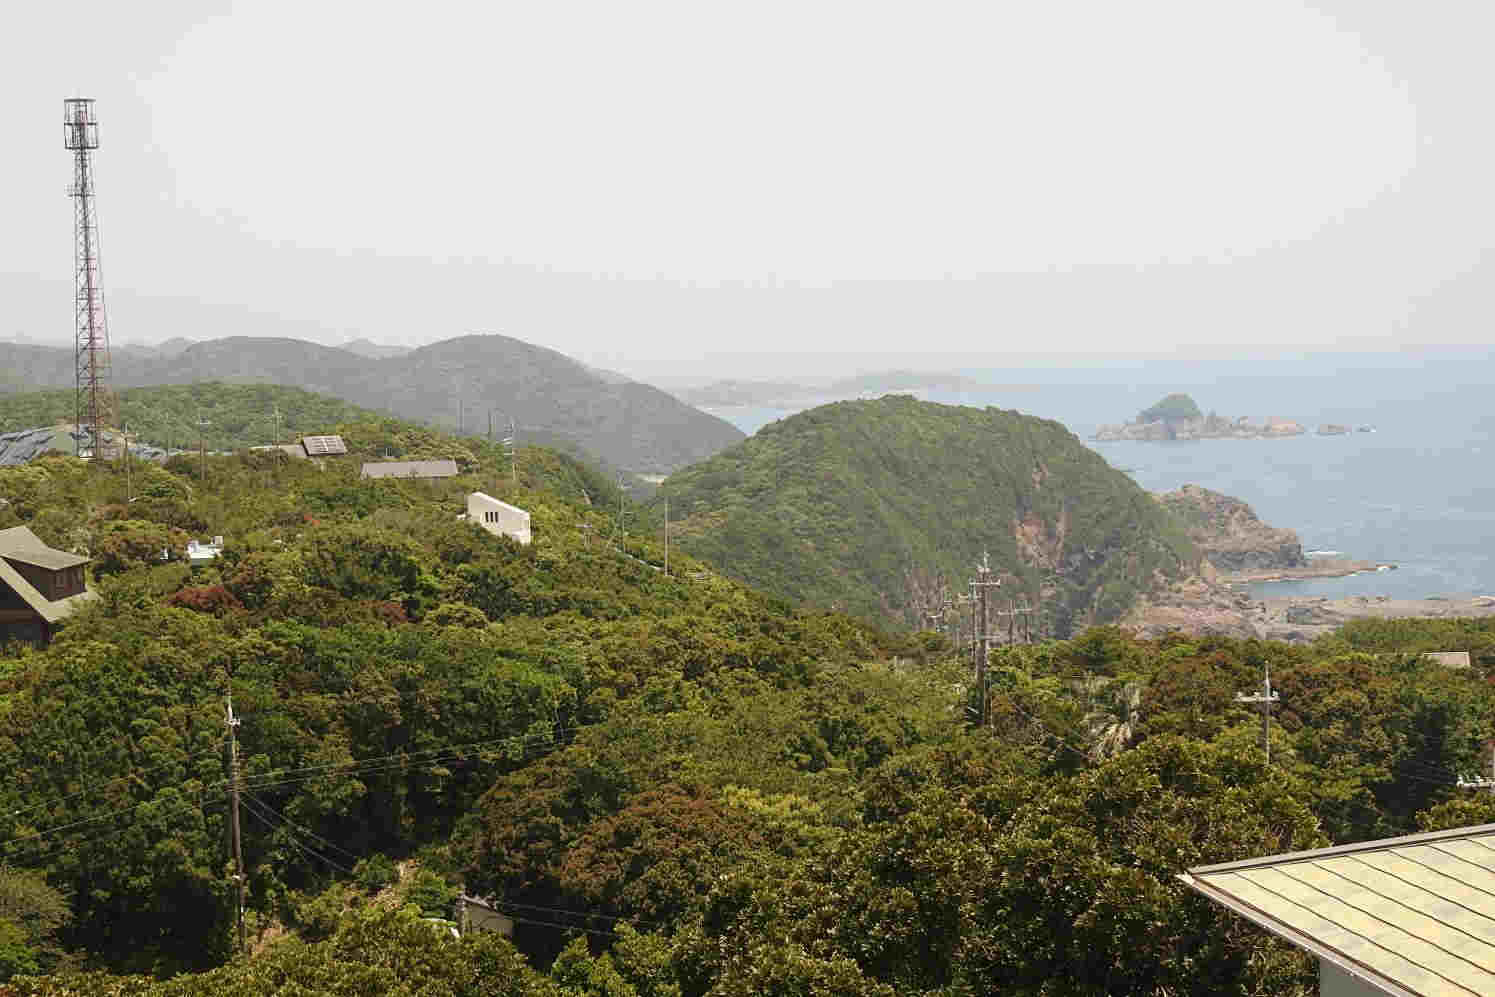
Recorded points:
(199,553)
(498,517)
(410,469)
(1449,659)
(1404,916)
(324,446)
(39,586)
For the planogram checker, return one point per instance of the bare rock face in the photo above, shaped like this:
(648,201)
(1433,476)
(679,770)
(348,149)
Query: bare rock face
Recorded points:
(1229,534)
(1198,605)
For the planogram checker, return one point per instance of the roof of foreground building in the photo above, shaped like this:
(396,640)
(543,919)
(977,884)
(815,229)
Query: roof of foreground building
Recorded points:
(1411,916)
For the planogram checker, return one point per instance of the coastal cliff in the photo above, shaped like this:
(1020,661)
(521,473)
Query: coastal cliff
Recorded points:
(1230,535)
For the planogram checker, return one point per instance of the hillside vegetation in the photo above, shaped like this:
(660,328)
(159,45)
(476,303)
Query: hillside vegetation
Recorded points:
(676,786)
(872,507)
(552,397)
(237,416)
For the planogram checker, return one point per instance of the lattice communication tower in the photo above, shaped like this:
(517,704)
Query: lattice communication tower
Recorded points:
(91,328)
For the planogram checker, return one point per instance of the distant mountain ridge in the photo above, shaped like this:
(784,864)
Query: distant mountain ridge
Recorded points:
(455,382)
(881,508)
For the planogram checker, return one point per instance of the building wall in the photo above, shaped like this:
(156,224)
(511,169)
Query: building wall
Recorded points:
(32,630)
(1335,982)
(51,584)
(498,517)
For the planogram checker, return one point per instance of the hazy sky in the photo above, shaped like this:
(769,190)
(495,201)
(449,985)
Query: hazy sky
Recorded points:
(641,183)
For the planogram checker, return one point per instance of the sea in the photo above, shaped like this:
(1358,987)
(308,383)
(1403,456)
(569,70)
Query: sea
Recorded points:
(1417,492)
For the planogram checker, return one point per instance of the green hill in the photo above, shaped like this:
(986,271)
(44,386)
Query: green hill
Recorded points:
(871,506)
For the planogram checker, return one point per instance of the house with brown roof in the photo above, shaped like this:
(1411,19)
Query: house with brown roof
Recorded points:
(39,586)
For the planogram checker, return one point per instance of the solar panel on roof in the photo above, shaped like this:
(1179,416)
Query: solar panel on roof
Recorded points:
(324,446)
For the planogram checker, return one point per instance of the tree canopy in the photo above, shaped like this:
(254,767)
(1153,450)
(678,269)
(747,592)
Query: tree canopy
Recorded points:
(673,784)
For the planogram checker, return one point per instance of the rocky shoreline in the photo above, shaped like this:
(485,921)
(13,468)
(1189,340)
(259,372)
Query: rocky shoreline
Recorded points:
(1237,549)
(1327,567)
(1299,619)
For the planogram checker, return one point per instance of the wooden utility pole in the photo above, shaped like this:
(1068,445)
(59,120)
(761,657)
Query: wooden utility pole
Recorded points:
(511,449)
(233,792)
(202,444)
(124,429)
(981,587)
(1263,701)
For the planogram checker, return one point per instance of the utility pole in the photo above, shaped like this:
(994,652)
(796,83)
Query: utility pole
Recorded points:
(619,529)
(490,426)
(981,587)
(277,424)
(124,428)
(1263,701)
(232,723)
(511,451)
(202,444)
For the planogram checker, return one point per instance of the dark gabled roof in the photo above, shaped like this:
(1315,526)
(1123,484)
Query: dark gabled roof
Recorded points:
(47,609)
(20,544)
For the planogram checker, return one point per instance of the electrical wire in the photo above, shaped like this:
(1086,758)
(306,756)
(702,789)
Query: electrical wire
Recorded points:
(75,840)
(271,824)
(304,830)
(93,789)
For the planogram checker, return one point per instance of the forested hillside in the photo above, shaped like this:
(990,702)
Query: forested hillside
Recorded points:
(452,384)
(874,507)
(675,786)
(237,416)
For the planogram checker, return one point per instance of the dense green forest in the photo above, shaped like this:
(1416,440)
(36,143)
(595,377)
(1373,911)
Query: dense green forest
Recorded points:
(879,507)
(676,785)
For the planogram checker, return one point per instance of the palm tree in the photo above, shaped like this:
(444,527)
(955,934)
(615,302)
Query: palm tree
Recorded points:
(1113,722)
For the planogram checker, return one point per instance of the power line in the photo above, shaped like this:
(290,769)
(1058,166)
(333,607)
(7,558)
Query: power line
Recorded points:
(92,789)
(304,830)
(270,823)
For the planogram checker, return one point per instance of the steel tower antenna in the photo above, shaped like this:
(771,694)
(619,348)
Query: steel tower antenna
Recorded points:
(91,328)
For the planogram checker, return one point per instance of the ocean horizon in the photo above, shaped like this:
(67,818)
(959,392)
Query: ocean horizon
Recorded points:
(1418,492)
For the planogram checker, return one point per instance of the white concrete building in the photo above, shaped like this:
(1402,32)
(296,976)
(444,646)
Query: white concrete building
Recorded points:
(498,517)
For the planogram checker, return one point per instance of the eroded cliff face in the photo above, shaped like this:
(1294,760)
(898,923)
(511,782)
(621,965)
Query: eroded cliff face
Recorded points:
(1229,534)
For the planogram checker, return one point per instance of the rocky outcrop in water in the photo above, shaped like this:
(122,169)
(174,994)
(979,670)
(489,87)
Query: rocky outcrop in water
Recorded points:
(1178,418)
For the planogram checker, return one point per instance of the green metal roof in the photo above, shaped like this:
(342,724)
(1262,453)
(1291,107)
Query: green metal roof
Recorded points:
(1412,916)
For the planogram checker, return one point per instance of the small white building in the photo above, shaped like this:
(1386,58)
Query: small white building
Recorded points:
(202,553)
(497,517)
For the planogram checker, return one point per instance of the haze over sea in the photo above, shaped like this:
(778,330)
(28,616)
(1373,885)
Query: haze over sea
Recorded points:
(1419,492)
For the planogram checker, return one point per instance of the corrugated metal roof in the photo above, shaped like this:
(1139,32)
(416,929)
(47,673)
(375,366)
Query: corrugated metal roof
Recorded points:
(19,544)
(323,446)
(411,469)
(1411,916)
